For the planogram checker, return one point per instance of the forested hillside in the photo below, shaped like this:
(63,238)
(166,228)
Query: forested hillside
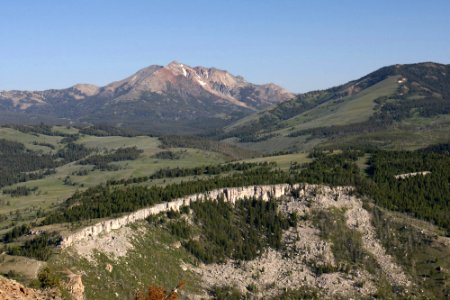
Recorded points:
(404,97)
(423,196)
(19,164)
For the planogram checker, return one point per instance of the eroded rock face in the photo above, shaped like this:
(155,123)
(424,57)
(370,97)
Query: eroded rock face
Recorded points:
(12,290)
(264,192)
(75,286)
(292,266)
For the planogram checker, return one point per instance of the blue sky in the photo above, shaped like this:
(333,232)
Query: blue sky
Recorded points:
(301,45)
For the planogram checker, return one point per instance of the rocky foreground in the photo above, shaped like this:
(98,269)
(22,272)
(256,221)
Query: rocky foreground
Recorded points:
(293,267)
(12,290)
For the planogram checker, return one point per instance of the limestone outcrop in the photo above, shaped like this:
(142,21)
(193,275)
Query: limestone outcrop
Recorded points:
(263,192)
(274,269)
(75,286)
(407,175)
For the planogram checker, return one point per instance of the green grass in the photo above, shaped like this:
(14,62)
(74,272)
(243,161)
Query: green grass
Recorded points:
(410,134)
(400,138)
(149,144)
(280,144)
(66,130)
(419,247)
(348,250)
(28,139)
(348,110)
(23,267)
(283,161)
(363,164)
(52,190)
(154,260)
(347,245)
(244,121)
(431,122)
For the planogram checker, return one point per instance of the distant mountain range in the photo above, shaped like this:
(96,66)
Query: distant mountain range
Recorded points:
(175,98)
(396,106)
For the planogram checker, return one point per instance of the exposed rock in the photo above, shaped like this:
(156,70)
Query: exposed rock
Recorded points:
(159,95)
(114,245)
(230,194)
(12,290)
(176,245)
(359,219)
(291,267)
(274,270)
(74,285)
(109,268)
(406,175)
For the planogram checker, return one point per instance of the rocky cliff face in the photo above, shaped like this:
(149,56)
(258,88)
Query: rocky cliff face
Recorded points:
(12,290)
(264,192)
(75,286)
(294,266)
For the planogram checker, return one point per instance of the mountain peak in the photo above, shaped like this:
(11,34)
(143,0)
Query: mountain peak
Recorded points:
(179,68)
(87,89)
(174,63)
(172,94)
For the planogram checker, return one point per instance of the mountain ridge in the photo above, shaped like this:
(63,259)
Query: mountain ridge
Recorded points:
(176,93)
(390,98)
(180,99)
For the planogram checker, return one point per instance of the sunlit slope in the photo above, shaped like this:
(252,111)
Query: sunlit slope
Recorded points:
(399,100)
(68,178)
(346,110)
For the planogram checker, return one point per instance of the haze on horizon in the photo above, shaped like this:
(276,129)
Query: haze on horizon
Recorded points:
(300,46)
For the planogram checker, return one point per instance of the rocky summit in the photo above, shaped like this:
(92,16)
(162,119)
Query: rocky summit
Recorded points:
(163,98)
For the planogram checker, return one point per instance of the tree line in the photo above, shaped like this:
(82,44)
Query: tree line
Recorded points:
(108,200)
(238,232)
(424,197)
(196,171)
(19,164)
(101,161)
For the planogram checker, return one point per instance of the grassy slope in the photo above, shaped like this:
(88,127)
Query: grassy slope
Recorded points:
(52,190)
(244,120)
(27,139)
(348,110)
(283,161)
(410,134)
(156,260)
(407,136)
(22,268)
(153,260)
(282,143)
(419,247)
(113,142)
